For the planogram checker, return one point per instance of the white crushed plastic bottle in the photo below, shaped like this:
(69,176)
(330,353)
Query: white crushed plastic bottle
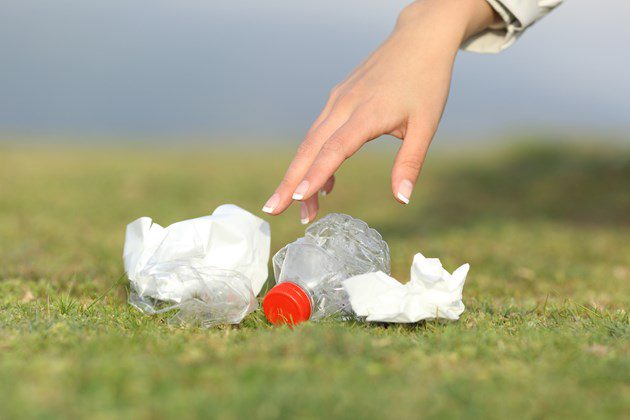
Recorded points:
(204,296)
(309,272)
(207,271)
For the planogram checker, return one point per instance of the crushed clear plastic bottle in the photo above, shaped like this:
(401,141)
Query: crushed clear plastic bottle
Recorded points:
(198,295)
(309,272)
(206,271)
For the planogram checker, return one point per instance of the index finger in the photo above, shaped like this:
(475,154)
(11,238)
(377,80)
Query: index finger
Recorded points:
(304,157)
(342,144)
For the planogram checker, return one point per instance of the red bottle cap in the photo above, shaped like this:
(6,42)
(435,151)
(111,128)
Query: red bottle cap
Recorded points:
(287,303)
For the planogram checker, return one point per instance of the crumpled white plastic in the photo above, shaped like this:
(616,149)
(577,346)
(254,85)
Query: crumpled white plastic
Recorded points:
(210,268)
(432,292)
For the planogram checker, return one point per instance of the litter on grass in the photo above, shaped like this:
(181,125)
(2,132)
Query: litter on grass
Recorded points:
(309,272)
(207,270)
(432,292)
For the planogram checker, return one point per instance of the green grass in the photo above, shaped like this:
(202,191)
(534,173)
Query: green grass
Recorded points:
(545,333)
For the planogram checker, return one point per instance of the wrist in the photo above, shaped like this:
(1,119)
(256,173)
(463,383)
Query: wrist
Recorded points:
(453,20)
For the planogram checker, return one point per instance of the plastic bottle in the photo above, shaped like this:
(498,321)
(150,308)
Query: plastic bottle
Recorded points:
(207,270)
(309,272)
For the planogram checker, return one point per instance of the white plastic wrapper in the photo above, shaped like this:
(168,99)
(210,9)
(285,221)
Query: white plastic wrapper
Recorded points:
(432,292)
(210,269)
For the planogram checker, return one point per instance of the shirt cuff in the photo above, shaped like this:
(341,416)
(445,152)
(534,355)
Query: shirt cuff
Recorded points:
(517,15)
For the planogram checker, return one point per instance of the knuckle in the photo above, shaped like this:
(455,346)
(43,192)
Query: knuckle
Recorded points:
(311,131)
(364,117)
(335,91)
(413,164)
(307,148)
(345,101)
(334,146)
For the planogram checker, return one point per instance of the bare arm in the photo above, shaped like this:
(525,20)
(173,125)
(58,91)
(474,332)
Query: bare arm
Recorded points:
(400,89)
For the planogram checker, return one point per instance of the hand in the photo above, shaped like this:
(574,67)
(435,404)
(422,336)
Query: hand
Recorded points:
(400,90)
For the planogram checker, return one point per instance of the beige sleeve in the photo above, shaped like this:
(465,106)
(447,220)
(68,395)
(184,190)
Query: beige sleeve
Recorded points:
(517,15)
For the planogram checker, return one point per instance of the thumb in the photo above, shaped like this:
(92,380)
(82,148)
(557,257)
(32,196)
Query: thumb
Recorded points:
(408,162)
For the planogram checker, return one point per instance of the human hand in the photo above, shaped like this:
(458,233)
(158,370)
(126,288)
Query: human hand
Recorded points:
(400,90)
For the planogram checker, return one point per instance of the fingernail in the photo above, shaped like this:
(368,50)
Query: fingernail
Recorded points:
(404,191)
(323,192)
(304,214)
(301,190)
(272,203)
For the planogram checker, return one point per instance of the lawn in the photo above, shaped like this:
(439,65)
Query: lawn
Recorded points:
(545,334)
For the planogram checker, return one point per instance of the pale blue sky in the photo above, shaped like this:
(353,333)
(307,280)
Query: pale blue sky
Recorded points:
(262,69)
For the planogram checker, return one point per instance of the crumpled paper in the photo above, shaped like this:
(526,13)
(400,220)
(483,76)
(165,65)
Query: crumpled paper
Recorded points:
(432,292)
(210,268)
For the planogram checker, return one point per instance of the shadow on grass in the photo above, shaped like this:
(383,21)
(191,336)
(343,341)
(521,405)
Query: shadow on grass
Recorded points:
(534,182)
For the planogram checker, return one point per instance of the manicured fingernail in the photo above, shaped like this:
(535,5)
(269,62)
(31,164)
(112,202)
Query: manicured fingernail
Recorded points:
(304,214)
(272,203)
(404,191)
(301,190)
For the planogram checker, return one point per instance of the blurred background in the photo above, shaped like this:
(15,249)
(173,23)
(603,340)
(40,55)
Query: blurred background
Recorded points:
(115,109)
(152,71)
